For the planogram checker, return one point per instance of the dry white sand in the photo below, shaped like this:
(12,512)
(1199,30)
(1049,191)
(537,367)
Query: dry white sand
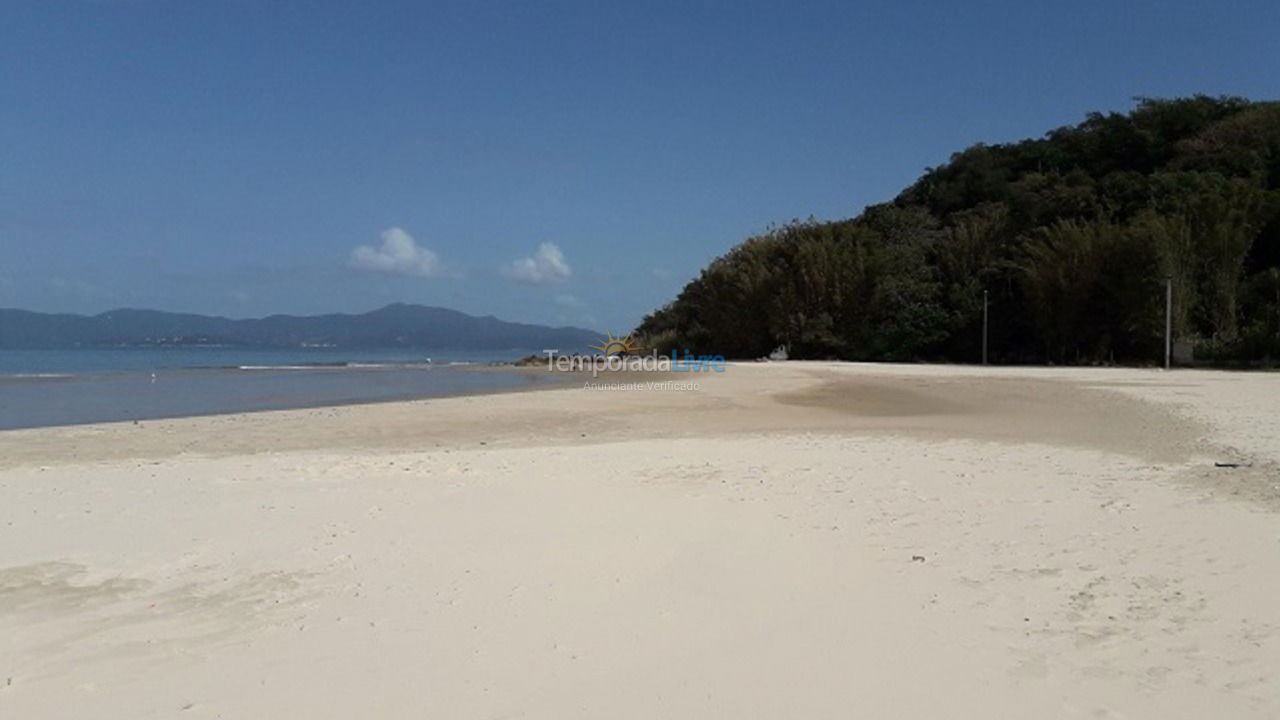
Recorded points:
(793,540)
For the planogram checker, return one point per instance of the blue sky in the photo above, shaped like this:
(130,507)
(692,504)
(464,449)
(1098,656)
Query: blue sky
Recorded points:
(564,163)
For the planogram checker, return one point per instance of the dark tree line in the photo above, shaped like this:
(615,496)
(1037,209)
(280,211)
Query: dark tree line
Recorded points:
(1072,236)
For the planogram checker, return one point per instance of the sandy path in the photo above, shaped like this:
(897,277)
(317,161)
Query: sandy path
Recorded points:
(799,540)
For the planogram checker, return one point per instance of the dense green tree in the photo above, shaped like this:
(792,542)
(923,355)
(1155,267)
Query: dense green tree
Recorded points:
(1071,236)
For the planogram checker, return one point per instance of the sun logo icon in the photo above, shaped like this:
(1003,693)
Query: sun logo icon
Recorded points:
(621,345)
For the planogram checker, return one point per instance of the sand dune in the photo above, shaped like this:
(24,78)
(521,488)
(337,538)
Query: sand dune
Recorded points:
(792,540)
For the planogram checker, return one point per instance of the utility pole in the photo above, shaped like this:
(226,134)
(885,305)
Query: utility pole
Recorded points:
(1168,320)
(984,327)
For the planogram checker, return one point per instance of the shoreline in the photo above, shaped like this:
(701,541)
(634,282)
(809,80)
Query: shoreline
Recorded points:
(257,403)
(549,380)
(882,393)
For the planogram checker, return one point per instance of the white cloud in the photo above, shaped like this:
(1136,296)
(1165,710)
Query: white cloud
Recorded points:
(569,301)
(398,254)
(546,267)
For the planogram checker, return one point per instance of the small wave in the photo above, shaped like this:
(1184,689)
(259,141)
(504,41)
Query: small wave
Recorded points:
(290,367)
(341,366)
(35,376)
(389,365)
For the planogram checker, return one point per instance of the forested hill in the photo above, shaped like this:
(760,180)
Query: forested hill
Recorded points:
(394,326)
(1072,235)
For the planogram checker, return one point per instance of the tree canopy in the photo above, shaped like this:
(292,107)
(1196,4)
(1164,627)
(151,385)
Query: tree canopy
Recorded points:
(1071,235)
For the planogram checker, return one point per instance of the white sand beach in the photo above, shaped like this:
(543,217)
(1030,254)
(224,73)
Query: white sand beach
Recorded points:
(792,540)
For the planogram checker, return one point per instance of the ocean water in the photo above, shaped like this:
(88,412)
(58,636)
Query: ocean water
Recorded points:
(66,387)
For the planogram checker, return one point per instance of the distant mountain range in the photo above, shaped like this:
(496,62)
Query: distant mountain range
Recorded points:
(394,326)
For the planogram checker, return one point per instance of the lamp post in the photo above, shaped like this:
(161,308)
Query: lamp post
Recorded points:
(1168,320)
(984,327)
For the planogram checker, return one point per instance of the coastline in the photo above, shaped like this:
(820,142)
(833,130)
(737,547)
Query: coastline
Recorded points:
(793,538)
(89,398)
